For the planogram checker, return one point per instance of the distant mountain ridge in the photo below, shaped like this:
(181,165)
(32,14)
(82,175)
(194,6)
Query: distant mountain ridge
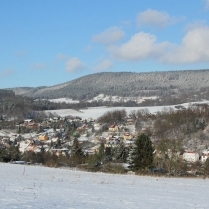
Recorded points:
(123,84)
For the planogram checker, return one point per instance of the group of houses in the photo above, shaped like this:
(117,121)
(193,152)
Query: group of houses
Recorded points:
(187,156)
(195,156)
(50,135)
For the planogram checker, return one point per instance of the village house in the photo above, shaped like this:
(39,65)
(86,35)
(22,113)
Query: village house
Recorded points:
(54,139)
(33,125)
(92,150)
(96,140)
(204,156)
(129,143)
(97,126)
(43,137)
(23,145)
(113,128)
(127,136)
(191,157)
(112,141)
(28,121)
(83,127)
(129,121)
(60,152)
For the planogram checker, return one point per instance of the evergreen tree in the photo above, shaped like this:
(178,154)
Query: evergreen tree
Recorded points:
(101,153)
(120,152)
(141,154)
(130,157)
(108,153)
(77,153)
(206,167)
(95,161)
(76,148)
(58,143)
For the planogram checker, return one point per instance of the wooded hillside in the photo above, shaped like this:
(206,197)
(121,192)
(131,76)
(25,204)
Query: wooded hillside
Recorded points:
(124,84)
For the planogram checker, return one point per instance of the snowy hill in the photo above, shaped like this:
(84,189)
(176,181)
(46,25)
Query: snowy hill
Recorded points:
(24,186)
(123,84)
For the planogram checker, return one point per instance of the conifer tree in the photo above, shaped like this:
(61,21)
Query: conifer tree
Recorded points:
(141,154)
(108,153)
(120,152)
(77,154)
(76,148)
(206,168)
(101,153)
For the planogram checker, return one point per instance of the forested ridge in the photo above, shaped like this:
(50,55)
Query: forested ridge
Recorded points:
(123,84)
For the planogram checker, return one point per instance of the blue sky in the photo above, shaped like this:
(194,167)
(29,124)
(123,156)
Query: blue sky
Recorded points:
(48,42)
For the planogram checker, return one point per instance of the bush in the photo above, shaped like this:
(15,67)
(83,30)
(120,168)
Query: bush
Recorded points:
(113,168)
(9,154)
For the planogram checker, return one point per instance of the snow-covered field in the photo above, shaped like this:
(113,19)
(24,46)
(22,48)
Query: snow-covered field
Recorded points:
(24,186)
(104,98)
(67,100)
(96,112)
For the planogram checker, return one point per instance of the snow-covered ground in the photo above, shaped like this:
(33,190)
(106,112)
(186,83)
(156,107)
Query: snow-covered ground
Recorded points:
(96,112)
(105,98)
(24,186)
(66,100)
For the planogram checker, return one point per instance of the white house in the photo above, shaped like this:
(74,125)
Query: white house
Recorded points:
(23,145)
(97,126)
(204,155)
(191,157)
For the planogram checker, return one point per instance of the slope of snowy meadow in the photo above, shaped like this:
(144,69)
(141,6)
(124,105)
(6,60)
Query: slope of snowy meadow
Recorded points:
(95,112)
(25,186)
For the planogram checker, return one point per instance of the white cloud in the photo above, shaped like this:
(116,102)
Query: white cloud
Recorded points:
(38,66)
(74,64)
(196,24)
(21,54)
(194,47)
(155,18)
(103,65)
(207,4)
(109,36)
(6,73)
(88,48)
(141,46)
(61,57)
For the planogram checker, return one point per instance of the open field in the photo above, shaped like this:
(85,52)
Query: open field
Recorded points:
(25,186)
(95,112)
